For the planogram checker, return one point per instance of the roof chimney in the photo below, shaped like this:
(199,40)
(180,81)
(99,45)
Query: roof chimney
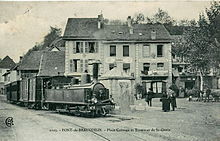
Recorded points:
(129,21)
(131,30)
(100,21)
(21,58)
(153,34)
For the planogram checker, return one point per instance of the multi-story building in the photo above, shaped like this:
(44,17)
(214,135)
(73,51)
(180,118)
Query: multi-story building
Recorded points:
(141,50)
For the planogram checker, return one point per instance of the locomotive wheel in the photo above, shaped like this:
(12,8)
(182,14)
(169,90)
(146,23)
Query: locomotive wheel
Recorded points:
(93,113)
(103,112)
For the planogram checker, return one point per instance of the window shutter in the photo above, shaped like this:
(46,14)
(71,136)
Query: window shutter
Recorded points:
(86,47)
(81,47)
(96,47)
(86,64)
(81,65)
(71,65)
(74,47)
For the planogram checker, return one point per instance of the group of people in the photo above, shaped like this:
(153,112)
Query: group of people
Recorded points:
(167,99)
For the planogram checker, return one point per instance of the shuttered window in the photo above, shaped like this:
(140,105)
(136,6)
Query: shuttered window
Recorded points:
(146,51)
(79,47)
(73,65)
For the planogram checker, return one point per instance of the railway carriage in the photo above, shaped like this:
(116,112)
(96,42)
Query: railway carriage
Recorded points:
(12,91)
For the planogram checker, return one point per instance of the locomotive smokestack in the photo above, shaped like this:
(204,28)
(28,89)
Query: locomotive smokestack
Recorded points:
(95,65)
(95,72)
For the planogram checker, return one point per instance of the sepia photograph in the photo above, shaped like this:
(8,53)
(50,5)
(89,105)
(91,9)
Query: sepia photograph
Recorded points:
(110,70)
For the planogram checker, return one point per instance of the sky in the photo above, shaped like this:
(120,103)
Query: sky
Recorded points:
(23,24)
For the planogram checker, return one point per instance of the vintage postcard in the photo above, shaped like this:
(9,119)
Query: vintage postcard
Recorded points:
(109,70)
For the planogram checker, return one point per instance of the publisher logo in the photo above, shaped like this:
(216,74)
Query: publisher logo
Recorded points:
(9,121)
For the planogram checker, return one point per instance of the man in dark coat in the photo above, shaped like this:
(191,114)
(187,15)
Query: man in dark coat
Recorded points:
(165,102)
(171,95)
(208,92)
(149,97)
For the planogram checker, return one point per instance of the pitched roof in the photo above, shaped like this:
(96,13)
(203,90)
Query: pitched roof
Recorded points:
(7,63)
(88,28)
(53,63)
(81,27)
(31,61)
(140,32)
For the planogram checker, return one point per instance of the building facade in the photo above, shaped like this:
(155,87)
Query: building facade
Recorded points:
(5,65)
(143,51)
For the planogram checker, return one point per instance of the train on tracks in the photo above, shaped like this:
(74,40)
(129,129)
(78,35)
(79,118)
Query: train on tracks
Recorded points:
(57,93)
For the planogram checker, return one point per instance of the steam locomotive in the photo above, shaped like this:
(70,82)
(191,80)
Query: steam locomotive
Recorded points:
(58,93)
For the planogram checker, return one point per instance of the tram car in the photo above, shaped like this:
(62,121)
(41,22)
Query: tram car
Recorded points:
(56,93)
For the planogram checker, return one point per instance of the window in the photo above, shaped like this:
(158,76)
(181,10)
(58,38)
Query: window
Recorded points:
(126,67)
(73,65)
(125,50)
(159,50)
(111,66)
(146,68)
(78,48)
(146,51)
(91,47)
(112,50)
(160,66)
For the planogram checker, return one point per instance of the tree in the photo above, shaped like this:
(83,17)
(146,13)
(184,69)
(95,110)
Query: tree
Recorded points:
(51,36)
(185,22)
(161,17)
(138,18)
(48,39)
(213,14)
(199,48)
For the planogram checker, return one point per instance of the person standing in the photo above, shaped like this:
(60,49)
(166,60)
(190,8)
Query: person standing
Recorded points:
(171,95)
(208,92)
(149,97)
(165,102)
